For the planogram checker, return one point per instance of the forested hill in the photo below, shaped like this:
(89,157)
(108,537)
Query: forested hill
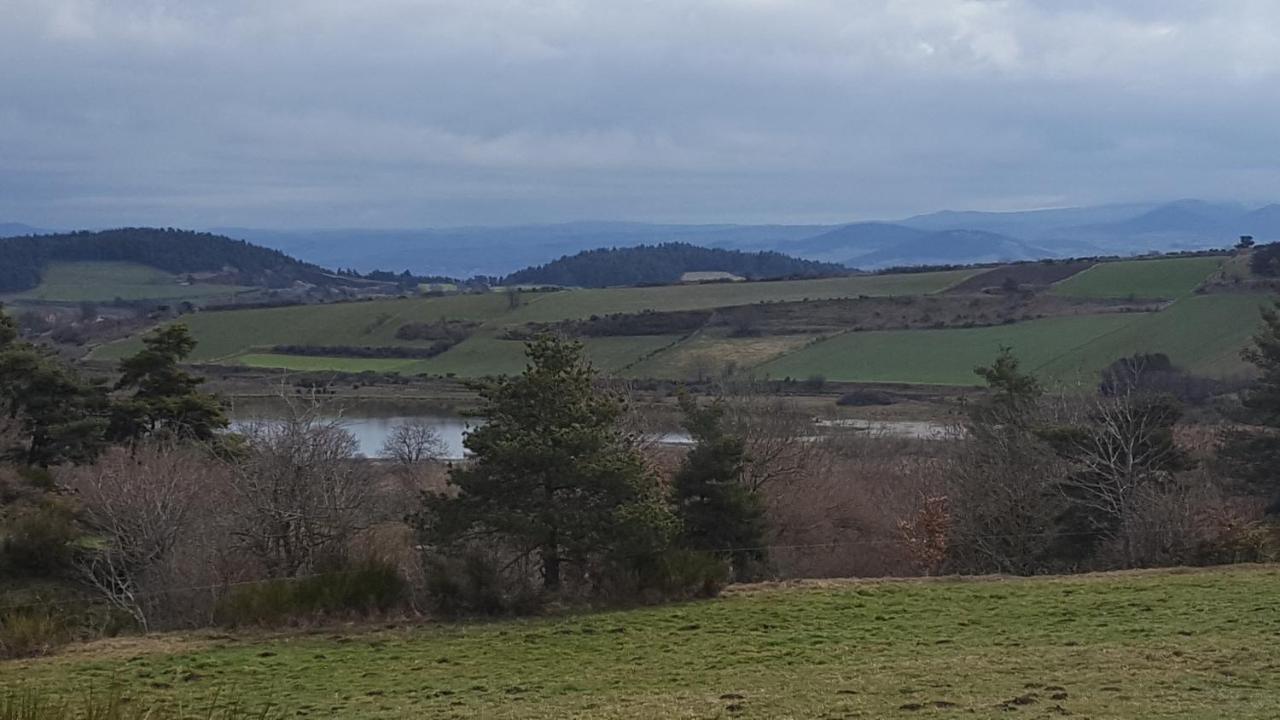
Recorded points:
(665,263)
(23,259)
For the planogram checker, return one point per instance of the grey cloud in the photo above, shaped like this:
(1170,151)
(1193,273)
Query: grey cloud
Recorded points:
(414,112)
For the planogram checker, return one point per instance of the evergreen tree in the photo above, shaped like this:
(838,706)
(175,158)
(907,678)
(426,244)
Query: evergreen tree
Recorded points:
(8,329)
(62,416)
(551,475)
(717,511)
(1011,387)
(166,399)
(1253,453)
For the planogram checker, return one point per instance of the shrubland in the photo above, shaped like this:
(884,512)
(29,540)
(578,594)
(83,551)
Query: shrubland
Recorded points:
(128,506)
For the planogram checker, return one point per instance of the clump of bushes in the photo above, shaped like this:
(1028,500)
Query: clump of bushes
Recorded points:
(450,331)
(361,351)
(865,398)
(363,588)
(472,584)
(30,632)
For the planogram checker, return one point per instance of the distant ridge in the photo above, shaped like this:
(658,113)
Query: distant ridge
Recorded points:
(1111,229)
(23,259)
(19,229)
(663,264)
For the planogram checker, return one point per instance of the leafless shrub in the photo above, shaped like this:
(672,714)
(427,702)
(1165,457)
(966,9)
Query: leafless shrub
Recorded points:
(925,534)
(841,520)
(140,508)
(783,444)
(299,492)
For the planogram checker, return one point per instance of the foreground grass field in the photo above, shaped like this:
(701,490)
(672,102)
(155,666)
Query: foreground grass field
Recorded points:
(1195,644)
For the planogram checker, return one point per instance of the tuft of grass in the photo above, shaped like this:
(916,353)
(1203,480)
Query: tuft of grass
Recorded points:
(28,704)
(30,632)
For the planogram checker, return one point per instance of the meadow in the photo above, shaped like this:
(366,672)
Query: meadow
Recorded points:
(1167,278)
(1180,643)
(106,281)
(1203,334)
(1200,332)
(224,335)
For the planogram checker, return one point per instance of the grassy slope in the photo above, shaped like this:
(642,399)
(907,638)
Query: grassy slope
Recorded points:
(1187,645)
(226,334)
(106,281)
(1164,278)
(549,307)
(475,358)
(1202,333)
(942,357)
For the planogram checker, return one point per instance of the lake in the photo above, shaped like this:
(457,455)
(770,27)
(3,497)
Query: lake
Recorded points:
(371,430)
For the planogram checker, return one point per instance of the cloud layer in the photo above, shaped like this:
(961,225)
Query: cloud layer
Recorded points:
(314,113)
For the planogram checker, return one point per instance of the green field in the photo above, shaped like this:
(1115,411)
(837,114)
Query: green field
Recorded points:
(1163,278)
(1189,644)
(940,357)
(224,335)
(548,307)
(1203,334)
(106,281)
(374,323)
(475,357)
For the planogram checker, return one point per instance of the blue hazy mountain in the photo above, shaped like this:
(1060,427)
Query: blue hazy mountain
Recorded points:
(8,229)
(947,237)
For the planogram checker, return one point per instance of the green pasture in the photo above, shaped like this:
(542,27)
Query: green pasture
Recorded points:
(1159,278)
(107,281)
(1194,645)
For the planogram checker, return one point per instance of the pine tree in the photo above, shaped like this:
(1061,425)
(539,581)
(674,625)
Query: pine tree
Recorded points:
(62,417)
(1252,453)
(551,474)
(718,512)
(166,399)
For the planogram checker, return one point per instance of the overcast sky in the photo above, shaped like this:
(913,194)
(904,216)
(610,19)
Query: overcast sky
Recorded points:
(399,113)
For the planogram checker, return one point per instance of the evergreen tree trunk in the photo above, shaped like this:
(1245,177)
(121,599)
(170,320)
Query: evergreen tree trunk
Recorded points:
(551,563)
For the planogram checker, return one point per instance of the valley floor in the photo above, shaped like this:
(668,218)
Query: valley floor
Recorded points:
(1181,643)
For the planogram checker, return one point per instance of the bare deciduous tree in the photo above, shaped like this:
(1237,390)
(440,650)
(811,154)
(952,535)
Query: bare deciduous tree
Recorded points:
(138,507)
(782,441)
(1124,458)
(412,443)
(300,492)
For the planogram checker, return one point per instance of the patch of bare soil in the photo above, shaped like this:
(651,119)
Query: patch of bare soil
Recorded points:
(1030,274)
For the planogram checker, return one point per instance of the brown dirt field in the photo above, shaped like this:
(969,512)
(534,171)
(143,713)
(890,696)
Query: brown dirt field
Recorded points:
(1035,275)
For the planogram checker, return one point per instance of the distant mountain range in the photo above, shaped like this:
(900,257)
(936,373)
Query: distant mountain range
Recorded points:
(947,237)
